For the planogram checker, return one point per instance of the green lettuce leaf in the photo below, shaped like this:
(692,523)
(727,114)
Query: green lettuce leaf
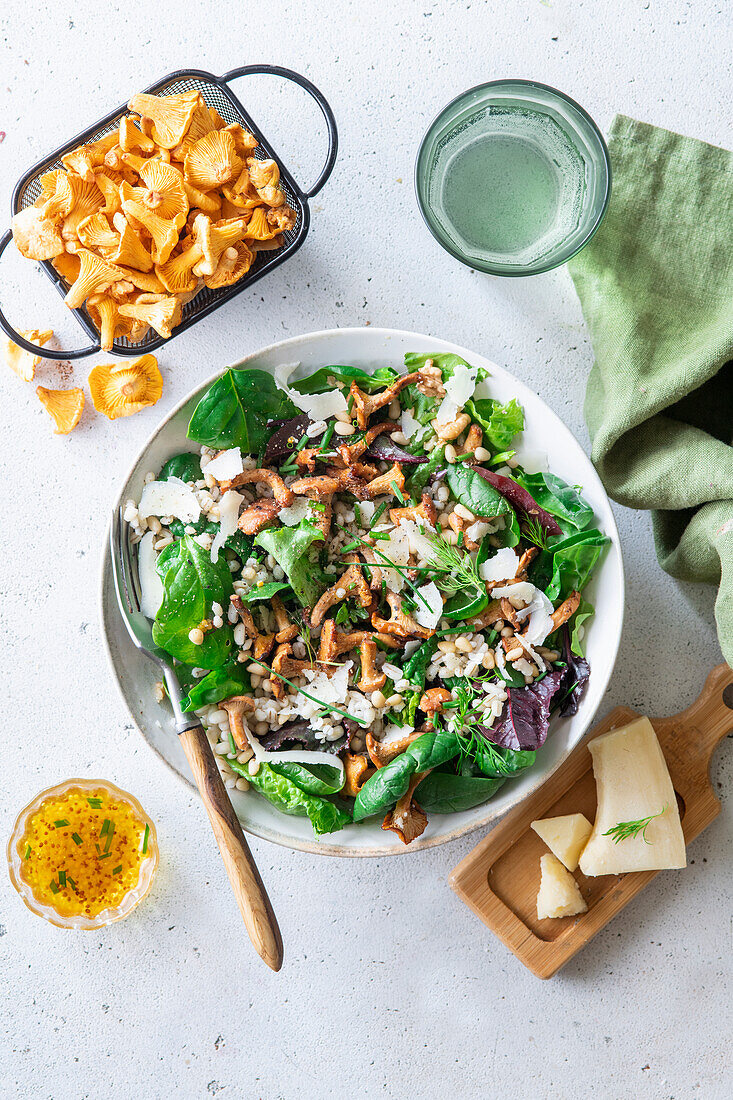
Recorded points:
(559,499)
(500,423)
(325,816)
(289,547)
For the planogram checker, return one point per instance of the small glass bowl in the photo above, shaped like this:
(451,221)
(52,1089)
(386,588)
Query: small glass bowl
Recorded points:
(133,897)
(579,128)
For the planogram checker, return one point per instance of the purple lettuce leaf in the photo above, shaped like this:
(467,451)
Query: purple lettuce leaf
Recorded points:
(383,448)
(284,440)
(576,679)
(299,732)
(520,499)
(525,719)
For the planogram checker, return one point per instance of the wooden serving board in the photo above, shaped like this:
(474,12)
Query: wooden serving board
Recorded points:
(500,878)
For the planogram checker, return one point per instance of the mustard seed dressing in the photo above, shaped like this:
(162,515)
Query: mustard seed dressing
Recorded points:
(83,853)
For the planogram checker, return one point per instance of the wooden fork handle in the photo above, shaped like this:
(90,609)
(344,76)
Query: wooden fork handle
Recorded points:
(244,877)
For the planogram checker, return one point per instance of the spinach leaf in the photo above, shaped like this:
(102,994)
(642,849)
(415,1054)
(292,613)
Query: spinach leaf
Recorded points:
(186,466)
(325,816)
(573,561)
(465,604)
(500,423)
(235,410)
(371,382)
(504,763)
(167,557)
(559,499)
(231,679)
(319,779)
(585,610)
(289,547)
(191,584)
(443,792)
(417,481)
(475,493)
(267,591)
(388,784)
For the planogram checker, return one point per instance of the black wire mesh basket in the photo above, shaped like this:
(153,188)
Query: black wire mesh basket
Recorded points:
(216,93)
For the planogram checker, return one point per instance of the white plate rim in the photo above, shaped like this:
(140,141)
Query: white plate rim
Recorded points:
(107,604)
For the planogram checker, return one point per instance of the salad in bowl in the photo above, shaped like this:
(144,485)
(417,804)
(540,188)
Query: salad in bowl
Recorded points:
(374,607)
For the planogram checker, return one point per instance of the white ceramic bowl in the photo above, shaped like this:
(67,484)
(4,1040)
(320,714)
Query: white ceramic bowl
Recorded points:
(544,433)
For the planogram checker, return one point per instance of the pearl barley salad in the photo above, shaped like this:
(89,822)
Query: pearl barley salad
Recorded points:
(373,606)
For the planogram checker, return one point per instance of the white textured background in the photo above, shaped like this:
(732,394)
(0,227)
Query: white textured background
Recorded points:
(390,986)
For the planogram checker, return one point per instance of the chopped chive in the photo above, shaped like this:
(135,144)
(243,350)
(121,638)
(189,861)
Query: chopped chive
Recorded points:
(62,878)
(381,536)
(71,883)
(465,458)
(327,437)
(378,514)
(116,870)
(145,839)
(76,838)
(105,827)
(60,824)
(110,834)
(460,539)
(232,744)
(367,573)
(95,803)
(28,851)
(397,492)
(106,855)
(303,442)
(54,886)
(357,514)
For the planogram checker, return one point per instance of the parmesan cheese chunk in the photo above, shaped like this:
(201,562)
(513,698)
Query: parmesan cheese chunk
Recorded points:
(559,894)
(565,836)
(458,389)
(633,784)
(226,465)
(319,406)
(429,616)
(169,498)
(298,510)
(151,586)
(229,506)
(502,566)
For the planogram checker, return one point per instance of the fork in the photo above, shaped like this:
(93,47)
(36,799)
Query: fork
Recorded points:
(244,877)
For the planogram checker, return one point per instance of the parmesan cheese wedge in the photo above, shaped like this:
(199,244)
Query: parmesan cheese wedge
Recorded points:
(633,784)
(559,894)
(565,836)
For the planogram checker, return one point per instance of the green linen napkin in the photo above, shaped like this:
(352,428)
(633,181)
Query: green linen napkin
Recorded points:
(656,288)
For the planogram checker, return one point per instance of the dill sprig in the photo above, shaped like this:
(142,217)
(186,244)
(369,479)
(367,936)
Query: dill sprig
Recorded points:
(456,570)
(534,532)
(625,830)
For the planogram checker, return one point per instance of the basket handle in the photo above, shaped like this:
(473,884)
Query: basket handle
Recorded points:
(45,353)
(288,74)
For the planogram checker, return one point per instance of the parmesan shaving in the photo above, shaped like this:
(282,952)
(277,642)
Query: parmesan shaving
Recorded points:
(296,756)
(169,498)
(292,516)
(410,426)
(318,406)
(501,567)
(430,616)
(229,506)
(226,465)
(458,389)
(151,586)
(330,690)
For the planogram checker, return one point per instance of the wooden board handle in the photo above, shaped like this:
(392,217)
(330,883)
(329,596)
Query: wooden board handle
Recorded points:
(710,717)
(244,877)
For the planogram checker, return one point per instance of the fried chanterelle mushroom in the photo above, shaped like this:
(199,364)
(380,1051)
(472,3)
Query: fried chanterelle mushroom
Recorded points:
(170,192)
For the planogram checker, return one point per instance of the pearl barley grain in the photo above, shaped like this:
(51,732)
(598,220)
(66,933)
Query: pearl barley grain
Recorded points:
(196,636)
